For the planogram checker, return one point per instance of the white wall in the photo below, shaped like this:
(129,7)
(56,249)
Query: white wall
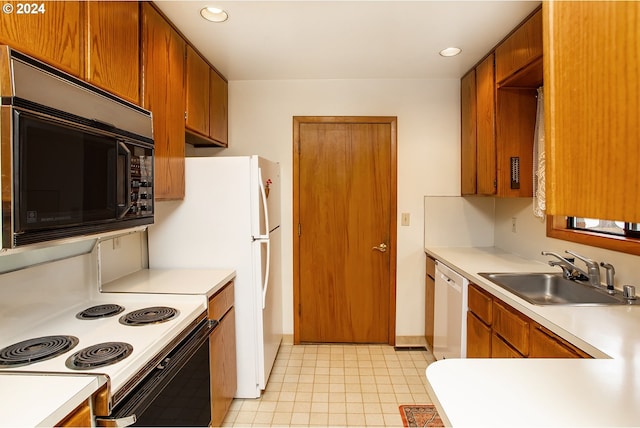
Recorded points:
(531,238)
(428,111)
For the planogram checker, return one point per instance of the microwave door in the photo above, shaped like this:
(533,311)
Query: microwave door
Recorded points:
(123,188)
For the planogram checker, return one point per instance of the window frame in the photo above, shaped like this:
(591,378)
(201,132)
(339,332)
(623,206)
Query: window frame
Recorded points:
(557,228)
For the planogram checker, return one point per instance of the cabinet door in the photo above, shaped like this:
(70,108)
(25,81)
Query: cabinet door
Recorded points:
(113,47)
(197,106)
(429,306)
(53,35)
(546,344)
(512,326)
(468,137)
(163,52)
(486,134)
(218,108)
(521,49)
(223,368)
(592,88)
(478,338)
(501,349)
(80,417)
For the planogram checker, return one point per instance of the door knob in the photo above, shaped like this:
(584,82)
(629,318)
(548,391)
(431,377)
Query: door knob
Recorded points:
(382,247)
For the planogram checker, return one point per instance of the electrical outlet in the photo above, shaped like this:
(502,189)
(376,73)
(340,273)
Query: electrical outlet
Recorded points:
(514,221)
(405,219)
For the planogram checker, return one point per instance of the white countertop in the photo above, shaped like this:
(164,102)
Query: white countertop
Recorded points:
(542,392)
(52,397)
(171,281)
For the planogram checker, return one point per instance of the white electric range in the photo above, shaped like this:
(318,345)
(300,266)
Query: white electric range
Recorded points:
(131,348)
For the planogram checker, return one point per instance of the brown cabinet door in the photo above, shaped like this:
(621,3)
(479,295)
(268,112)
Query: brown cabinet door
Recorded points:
(501,349)
(430,288)
(512,326)
(197,86)
(222,345)
(478,338)
(163,52)
(113,47)
(591,73)
(468,137)
(546,344)
(53,34)
(486,127)
(218,108)
(480,303)
(520,49)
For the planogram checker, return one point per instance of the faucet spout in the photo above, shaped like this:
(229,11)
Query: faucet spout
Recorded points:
(592,267)
(569,270)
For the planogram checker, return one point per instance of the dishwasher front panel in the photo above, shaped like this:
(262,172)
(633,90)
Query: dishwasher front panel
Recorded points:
(450,314)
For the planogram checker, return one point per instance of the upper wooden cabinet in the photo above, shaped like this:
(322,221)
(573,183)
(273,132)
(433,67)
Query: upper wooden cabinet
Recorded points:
(112,59)
(163,53)
(53,35)
(207,100)
(498,116)
(519,57)
(592,108)
(197,106)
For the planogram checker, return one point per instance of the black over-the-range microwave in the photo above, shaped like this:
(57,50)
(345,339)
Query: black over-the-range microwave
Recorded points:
(75,159)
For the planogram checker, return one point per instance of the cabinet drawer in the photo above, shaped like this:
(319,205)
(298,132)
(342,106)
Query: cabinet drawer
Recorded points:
(501,349)
(221,302)
(478,338)
(546,344)
(431,267)
(479,303)
(511,326)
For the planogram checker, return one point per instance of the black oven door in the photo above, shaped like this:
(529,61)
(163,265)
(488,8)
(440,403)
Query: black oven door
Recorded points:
(177,393)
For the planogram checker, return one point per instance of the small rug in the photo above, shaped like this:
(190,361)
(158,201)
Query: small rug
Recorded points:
(420,415)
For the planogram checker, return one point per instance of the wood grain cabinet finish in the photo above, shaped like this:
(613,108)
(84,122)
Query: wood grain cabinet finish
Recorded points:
(54,36)
(113,47)
(520,51)
(430,294)
(218,108)
(486,180)
(163,52)
(497,330)
(197,87)
(222,353)
(80,417)
(592,108)
(469,127)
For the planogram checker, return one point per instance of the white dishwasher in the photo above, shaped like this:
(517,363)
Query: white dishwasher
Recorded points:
(450,314)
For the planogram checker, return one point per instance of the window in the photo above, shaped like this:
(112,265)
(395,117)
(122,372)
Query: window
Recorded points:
(612,235)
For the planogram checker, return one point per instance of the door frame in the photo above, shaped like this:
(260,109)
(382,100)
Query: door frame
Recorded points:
(393,233)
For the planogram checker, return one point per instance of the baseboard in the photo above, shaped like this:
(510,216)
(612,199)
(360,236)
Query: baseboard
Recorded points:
(411,342)
(287,339)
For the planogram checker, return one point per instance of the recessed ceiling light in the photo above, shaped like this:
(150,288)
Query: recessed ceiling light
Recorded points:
(214,14)
(450,51)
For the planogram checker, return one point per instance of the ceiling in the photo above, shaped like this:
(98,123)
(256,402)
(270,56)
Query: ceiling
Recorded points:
(281,40)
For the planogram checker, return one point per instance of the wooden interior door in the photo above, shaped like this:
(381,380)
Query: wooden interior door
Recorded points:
(344,215)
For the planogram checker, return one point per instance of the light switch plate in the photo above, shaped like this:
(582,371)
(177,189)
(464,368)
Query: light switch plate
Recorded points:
(405,219)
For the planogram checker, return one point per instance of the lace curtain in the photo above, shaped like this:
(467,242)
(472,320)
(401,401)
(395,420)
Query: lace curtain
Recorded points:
(539,197)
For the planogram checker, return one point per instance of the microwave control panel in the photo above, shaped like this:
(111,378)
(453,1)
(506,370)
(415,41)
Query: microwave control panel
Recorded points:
(141,186)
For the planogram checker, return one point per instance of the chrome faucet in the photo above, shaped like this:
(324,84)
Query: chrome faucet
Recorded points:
(573,272)
(609,275)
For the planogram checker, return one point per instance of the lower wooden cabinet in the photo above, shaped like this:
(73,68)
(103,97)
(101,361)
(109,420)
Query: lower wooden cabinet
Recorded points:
(496,330)
(222,354)
(80,417)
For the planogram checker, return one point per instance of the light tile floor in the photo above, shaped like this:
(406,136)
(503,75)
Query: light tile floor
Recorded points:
(337,385)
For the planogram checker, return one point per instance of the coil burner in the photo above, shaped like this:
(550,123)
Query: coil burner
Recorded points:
(35,350)
(100,311)
(99,355)
(152,315)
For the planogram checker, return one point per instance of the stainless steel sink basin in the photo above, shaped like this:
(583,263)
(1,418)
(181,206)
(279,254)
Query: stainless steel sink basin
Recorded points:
(551,289)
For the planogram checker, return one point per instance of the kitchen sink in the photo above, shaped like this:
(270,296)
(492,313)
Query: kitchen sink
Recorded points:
(552,289)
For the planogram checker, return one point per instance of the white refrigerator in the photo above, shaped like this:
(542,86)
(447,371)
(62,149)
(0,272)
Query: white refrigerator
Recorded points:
(230,219)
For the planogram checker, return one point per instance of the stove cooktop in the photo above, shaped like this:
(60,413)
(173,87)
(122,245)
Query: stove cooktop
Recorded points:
(129,348)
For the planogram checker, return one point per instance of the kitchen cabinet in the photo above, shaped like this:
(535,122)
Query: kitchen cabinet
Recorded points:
(498,116)
(51,31)
(163,53)
(83,415)
(497,330)
(113,43)
(592,113)
(206,103)
(430,289)
(222,353)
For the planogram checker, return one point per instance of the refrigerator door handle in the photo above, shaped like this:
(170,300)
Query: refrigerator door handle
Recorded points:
(263,196)
(265,286)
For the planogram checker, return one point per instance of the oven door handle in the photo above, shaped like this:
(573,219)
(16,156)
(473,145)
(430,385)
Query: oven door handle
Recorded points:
(116,422)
